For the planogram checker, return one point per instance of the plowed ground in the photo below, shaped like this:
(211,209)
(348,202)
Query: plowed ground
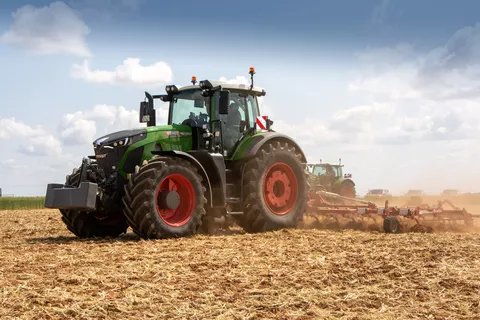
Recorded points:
(47,273)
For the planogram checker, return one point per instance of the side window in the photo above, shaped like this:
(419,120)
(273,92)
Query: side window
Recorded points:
(252,110)
(320,171)
(236,110)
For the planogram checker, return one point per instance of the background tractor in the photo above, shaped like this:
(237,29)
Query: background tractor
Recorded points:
(330,178)
(216,157)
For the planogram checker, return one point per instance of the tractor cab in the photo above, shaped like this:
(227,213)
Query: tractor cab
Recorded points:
(215,116)
(333,171)
(332,178)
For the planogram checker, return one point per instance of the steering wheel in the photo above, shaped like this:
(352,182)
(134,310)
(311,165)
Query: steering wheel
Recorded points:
(190,122)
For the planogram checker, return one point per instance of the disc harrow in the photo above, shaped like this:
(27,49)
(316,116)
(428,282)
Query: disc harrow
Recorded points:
(328,210)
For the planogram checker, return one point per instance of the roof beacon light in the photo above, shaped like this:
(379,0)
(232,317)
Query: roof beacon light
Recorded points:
(194,80)
(252,72)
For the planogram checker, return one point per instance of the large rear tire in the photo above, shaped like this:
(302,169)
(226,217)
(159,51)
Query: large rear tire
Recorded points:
(275,189)
(347,189)
(165,198)
(92,224)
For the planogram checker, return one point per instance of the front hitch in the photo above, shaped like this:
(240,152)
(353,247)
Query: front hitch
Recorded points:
(82,196)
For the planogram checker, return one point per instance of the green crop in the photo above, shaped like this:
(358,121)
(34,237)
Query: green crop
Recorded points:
(21,203)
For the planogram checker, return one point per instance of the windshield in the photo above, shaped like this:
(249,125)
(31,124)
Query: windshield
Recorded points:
(319,171)
(338,171)
(189,105)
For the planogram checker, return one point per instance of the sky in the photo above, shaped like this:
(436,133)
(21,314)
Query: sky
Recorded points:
(389,86)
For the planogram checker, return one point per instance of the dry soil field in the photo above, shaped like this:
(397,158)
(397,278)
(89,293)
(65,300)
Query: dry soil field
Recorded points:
(45,273)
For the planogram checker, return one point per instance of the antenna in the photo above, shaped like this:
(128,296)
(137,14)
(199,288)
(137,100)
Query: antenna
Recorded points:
(340,161)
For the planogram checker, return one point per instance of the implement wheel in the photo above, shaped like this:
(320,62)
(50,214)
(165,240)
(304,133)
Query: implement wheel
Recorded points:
(165,199)
(275,189)
(391,224)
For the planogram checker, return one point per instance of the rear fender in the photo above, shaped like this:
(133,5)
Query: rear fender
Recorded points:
(250,147)
(339,182)
(212,169)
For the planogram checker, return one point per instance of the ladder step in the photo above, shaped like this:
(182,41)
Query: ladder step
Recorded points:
(233,200)
(236,213)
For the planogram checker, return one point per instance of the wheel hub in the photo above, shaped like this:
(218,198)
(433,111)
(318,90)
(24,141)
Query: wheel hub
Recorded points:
(175,200)
(168,200)
(280,188)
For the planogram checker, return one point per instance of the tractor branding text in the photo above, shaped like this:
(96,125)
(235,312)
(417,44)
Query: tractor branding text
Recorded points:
(177,133)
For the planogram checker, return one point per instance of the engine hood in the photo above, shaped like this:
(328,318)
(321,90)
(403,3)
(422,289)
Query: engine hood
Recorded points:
(119,136)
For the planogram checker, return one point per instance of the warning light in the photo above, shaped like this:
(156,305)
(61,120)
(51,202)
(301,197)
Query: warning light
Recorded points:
(194,80)
(252,70)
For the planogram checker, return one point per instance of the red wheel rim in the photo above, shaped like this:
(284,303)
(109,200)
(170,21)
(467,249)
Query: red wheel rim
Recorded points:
(179,216)
(280,188)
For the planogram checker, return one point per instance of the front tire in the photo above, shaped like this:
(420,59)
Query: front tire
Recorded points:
(92,224)
(275,190)
(165,199)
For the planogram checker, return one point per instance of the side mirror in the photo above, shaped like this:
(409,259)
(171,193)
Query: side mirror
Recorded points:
(269,124)
(144,112)
(199,104)
(224,102)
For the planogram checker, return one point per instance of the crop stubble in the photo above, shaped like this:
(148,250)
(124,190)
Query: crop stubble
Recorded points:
(290,274)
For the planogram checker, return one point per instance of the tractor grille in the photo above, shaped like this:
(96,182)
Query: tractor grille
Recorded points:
(109,150)
(108,159)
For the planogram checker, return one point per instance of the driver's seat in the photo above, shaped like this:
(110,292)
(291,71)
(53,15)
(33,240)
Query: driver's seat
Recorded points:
(234,116)
(232,126)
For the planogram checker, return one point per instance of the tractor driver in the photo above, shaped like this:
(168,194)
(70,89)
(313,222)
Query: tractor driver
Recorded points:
(234,116)
(330,173)
(232,125)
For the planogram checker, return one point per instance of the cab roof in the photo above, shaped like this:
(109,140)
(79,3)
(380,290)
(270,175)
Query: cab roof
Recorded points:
(224,85)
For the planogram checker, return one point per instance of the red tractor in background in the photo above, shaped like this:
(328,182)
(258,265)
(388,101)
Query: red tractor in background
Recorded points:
(330,177)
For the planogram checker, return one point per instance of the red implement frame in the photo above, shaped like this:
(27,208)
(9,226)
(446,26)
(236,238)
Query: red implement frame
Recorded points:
(422,218)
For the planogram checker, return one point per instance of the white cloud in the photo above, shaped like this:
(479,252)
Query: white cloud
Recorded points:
(11,164)
(75,129)
(45,145)
(435,95)
(9,128)
(31,140)
(129,72)
(450,71)
(52,29)
(236,80)
(83,127)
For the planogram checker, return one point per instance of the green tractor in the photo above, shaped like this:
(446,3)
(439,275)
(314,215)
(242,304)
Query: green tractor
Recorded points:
(330,177)
(217,157)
